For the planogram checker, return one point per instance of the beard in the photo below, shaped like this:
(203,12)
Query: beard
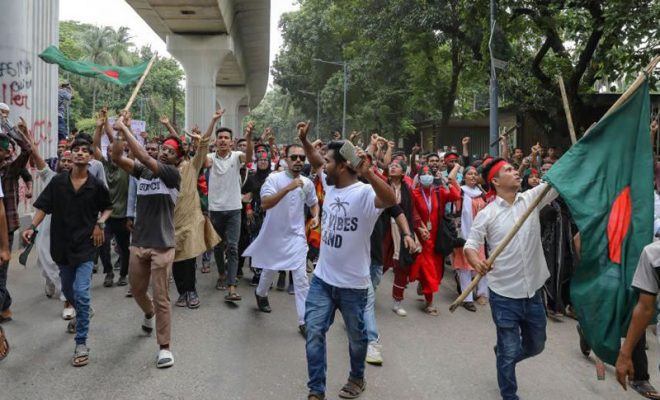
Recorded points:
(330,179)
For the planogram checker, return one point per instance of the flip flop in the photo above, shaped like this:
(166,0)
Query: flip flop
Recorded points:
(232,297)
(645,389)
(3,339)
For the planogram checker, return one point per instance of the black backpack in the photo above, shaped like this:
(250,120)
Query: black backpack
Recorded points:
(447,239)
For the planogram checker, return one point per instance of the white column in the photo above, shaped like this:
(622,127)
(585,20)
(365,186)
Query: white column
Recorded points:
(230,98)
(15,63)
(201,57)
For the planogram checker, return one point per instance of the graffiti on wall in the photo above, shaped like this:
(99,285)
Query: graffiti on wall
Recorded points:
(16,81)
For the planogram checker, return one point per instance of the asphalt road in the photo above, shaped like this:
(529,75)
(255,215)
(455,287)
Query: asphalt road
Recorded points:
(224,352)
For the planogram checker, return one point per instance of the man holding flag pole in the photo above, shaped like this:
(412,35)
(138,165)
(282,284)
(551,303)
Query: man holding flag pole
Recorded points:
(612,204)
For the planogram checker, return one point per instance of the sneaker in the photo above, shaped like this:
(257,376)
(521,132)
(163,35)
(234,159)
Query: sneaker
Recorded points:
(122,281)
(148,324)
(374,355)
(262,303)
(302,328)
(193,300)
(398,309)
(165,359)
(69,312)
(109,280)
(49,289)
(468,305)
(182,301)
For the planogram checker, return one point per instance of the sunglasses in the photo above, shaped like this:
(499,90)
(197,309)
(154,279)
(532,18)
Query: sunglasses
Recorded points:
(295,157)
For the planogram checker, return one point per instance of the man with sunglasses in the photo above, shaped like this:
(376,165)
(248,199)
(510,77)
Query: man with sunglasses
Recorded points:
(282,244)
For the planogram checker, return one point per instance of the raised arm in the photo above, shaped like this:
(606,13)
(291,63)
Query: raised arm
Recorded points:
(98,132)
(413,162)
(385,196)
(387,159)
(166,123)
(134,146)
(203,145)
(249,151)
(315,159)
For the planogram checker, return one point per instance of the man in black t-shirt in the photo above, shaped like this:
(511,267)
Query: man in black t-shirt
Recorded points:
(153,243)
(74,199)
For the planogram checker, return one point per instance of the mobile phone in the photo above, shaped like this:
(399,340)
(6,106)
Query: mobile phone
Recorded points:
(349,152)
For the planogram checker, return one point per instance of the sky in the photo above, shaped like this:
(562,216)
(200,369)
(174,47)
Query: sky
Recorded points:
(118,13)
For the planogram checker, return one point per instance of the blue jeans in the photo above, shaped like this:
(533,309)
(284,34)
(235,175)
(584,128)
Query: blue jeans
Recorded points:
(228,225)
(322,302)
(62,132)
(76,286)
(370,324)
(520,327)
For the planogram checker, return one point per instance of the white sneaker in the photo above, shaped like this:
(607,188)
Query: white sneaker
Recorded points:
(68,313)
(398,309)
(148,324)
(374,355)
(165,359)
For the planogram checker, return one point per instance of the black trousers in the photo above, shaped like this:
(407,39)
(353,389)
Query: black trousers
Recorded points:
(640,361)
(184,275)
(116,227)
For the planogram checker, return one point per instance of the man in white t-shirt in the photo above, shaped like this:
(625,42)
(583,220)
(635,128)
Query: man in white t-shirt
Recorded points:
(342,277)
(225,205)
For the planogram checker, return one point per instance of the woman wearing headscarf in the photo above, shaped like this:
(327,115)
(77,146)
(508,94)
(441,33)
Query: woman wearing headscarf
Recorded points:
(254,215)
(473,200)
(430,203)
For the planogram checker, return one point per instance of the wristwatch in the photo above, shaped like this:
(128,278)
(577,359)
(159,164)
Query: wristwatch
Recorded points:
(100,224)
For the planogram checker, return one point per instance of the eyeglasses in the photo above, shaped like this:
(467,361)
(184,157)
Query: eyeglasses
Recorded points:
(295,157)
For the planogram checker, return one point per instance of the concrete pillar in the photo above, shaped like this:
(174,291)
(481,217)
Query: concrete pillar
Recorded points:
(201,57)
(230,98)
(15,63)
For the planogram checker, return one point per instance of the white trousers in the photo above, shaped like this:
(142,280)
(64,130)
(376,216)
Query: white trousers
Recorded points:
(49,269)
(465,277)
(300,286)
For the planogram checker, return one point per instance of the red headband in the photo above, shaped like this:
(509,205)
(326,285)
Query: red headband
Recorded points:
(64,142)
(491,174)
(175,145)
(451,157)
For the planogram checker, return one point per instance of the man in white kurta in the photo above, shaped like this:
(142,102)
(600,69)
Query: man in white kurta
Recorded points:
(282,244)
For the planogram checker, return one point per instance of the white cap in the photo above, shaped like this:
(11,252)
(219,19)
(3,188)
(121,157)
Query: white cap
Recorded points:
(4,107)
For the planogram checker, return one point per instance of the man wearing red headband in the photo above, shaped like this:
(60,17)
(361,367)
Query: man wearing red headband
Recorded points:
(153,243)
(517,275)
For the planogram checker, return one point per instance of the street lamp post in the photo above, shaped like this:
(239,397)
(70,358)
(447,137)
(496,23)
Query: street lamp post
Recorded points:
(318,108)
(493,114)
(344,65)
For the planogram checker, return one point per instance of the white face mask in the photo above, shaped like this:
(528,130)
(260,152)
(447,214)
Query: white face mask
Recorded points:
(426,180)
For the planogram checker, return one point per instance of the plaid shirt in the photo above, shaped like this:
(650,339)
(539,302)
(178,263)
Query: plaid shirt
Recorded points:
(10,172)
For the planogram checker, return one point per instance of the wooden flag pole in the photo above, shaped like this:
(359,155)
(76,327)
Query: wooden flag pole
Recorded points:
(501,247)
(567,110)
(139,84)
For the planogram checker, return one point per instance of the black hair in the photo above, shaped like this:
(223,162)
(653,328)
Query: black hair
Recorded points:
(224,129)
(432,155)
(289,147)
(83,140)
(335,146)
(486,168)
(177,140)
(241,140)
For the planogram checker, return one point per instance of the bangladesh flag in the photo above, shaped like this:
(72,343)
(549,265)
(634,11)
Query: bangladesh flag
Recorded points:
(118,75)
(607,181)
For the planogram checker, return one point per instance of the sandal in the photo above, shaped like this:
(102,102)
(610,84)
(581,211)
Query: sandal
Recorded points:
(3,339)
(205,269)
(71,326)
(645,389)
(314,396)
(353,389)
(431,310)
(232,297)
(80,356)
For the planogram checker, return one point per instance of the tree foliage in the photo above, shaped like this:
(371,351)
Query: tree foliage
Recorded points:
(411,60)
(161,93)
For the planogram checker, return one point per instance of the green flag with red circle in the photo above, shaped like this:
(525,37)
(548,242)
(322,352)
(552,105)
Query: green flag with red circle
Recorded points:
(606,179)
(118,75)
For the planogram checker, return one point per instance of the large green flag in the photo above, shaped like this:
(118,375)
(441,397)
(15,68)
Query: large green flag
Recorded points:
(119,75)
(607,181)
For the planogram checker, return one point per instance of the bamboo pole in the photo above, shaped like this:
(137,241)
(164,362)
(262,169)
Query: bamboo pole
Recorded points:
(501,246)
(567,110)
(139,84)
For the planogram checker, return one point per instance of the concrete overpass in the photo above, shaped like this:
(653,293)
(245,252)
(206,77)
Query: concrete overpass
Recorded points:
(223,46)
